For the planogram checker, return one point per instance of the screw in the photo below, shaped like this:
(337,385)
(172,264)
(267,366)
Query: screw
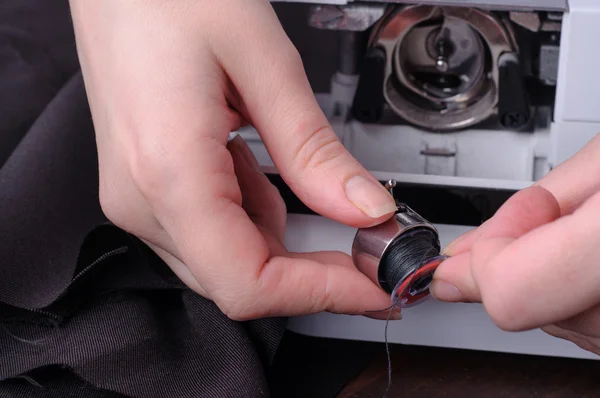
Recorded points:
(442,64)
(514,120)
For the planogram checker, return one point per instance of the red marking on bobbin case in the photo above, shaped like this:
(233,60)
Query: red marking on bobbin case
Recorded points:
(415,289)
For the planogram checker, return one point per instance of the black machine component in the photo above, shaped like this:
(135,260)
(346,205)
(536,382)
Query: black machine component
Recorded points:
(514,111)
(369,101)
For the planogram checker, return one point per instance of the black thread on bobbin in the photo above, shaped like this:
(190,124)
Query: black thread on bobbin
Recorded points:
(405,255)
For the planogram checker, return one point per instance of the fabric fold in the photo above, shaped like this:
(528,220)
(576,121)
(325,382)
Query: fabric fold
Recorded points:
(49,201)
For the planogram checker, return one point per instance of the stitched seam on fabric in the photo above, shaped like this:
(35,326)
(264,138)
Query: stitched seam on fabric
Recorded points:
(105,256)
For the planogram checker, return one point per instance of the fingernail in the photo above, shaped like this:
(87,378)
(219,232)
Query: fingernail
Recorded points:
(396,314)
(245,151)
(447,251)
(371,198)
(444,291)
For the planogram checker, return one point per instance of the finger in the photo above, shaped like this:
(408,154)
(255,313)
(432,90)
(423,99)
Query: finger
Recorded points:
(586,323)
(575,180)
(454,279)
(295,286)
(260,198)
(523,212)
(583,329)
(463,242)
(269,76)
(381,312)
(588,343)
(454,282)
(545,276)
(262,202)
(385,314)
(230,256)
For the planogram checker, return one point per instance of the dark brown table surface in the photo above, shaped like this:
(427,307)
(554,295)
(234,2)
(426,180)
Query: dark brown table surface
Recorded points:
(433,372)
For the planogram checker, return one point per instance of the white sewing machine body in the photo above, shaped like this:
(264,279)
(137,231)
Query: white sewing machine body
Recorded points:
(455,177)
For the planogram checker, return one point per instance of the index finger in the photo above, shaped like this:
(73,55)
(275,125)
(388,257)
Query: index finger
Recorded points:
(523,212)
(545,276)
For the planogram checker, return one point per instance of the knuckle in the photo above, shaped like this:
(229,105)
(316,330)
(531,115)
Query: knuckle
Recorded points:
(322,299)
(229,309)
(280,205)
(148,168)
(127,211)
(259,298)
(276,201)
(291,57)
(507,314)
(238,309)
(237,315)
(504,292)
(115,201)
(243,304)
(321,296)
(295,59)
(320,147)
(155,151)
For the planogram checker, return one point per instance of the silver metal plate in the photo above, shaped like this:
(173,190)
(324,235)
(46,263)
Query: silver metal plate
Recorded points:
(504,5)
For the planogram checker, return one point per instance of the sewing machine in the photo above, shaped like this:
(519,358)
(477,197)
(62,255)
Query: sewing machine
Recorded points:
(462,103)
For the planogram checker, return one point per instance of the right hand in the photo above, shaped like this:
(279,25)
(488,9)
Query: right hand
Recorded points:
(535,263)
(168,80)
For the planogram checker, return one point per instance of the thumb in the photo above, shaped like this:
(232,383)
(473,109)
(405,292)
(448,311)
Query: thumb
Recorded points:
(268,74)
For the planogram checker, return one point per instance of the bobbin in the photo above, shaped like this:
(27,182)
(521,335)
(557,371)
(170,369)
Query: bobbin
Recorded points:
(372,244)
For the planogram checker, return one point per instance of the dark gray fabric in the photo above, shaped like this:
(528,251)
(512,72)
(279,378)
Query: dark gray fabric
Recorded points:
(86,309)
(53,382)
(49,200)
(37,56)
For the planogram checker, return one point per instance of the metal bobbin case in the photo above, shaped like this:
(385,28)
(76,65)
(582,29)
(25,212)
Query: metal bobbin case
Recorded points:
(372,244)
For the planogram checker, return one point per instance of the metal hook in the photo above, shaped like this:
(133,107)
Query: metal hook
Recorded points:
(390,185)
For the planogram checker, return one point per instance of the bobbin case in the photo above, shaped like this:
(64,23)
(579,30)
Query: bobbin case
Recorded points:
(371,244)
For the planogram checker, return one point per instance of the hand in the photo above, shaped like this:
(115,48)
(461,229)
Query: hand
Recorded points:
(167,82)
(536,262)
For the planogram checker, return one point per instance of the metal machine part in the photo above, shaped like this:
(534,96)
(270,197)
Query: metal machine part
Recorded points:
(371,246)
(537,22)
(355,18)
(510,5)
(439,68)
(442,64)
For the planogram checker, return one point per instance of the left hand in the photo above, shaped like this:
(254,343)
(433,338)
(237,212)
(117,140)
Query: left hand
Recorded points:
(167,82)
(535,264)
